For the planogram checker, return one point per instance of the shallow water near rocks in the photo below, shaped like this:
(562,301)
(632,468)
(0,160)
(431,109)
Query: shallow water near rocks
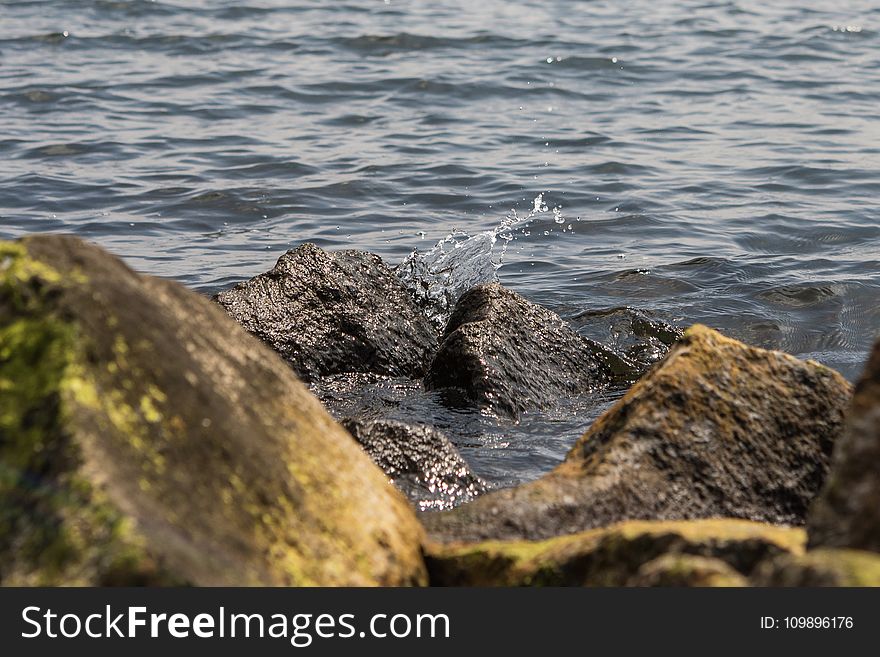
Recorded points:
(707,162)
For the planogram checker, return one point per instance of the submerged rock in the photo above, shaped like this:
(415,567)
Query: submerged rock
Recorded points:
(622,554)
(333,313)
(822,567)
(643,339)
(847,514)
(145,438)
(717,429)
(420,461)
(508,355)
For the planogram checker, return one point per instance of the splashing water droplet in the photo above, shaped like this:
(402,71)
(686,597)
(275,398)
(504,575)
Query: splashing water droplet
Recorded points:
(460,261)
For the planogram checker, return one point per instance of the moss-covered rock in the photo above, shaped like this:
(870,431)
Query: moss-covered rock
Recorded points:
(618,555)
(687,570)
(717,429)
(822,567)
(847,514)
(145,438)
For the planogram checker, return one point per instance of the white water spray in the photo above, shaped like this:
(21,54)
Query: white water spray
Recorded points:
(458,262)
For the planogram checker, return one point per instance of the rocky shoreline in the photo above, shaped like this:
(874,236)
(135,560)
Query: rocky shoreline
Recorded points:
(151,436)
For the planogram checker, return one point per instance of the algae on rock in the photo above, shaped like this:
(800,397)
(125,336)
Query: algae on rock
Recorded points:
(821,567)
(717,429)
(145,438)
(615,556)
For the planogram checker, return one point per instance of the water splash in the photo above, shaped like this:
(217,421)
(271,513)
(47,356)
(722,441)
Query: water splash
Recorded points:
(460,261)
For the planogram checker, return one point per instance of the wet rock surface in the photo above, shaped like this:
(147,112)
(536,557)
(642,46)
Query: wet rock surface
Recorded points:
(420,461)
(508,355)
(145,438)
(847,514)
(619,555)
(718,429)
(333,313)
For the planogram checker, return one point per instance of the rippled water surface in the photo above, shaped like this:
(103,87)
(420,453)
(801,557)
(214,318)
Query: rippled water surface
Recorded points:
(708,161)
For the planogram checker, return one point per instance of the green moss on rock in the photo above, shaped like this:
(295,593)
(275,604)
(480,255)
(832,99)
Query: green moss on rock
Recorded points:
(610,556)
(146,438)
(680,570)
(822,567)
(717,429)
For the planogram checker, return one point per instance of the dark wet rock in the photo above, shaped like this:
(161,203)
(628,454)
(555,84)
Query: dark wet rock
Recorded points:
(333,313)
(847,514)
(508,355)
(822,567)
(622,554)
(718,429)
(420,461)
(145,438)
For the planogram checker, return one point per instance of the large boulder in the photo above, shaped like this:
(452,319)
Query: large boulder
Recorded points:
(333,313)
(847,514)
(420,461)
(716,429)
(508,355)
(636,553)
(145,438)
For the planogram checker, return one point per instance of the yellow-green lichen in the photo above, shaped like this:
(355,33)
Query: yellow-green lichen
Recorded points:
(55,528)
(822,567)
(607,556)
